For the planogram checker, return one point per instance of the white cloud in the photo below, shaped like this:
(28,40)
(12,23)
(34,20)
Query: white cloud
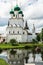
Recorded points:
(4,9)
(5,6)
(33,11)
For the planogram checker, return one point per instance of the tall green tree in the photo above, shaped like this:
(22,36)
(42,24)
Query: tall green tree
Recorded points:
(42,34)
(38,37)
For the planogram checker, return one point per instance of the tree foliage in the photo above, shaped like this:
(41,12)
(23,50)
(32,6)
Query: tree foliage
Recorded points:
(13,41)
(38,37)
(42,34)
(34,41)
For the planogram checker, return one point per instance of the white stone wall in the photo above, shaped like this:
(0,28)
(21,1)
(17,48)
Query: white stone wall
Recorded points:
(20,38)
(30,37)
(34,36)
(17,22)
(17,37)
(24,38)
(15,29)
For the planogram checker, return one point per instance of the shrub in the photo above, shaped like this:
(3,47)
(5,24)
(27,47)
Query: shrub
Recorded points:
(1,50)
(34,41)
(15,44)
(13,41)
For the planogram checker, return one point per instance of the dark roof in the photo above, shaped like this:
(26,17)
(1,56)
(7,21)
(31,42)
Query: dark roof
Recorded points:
(11,12)
(20,12)
(16,8)
(26,26)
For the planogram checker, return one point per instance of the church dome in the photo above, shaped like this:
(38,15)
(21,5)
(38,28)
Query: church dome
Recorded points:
(11,12)
(20,12)
(16,8)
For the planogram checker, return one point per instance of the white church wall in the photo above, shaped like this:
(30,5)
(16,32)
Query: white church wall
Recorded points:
(24,38)
(16,21)
(19,38)
(16,37)
(20,15)
(30,38)
(34,36)
(15,30)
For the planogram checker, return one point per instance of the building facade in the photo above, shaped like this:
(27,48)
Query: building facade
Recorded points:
(16,29)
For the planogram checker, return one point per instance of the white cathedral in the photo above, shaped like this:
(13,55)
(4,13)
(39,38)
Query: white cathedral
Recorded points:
(16,29)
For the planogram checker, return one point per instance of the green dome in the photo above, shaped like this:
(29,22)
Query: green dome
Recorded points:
(16,8)
(20,12)
(11,12)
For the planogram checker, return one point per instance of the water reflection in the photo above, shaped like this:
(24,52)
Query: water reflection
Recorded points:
(21,55)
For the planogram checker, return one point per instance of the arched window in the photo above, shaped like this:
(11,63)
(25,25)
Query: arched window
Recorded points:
(13,32)
(8,23)
(16,16)
(18,32)
(23,32)
(9,32)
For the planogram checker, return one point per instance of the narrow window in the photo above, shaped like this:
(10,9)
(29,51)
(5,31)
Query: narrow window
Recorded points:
(23,32)
(18,32)
(13,32)
(9,32)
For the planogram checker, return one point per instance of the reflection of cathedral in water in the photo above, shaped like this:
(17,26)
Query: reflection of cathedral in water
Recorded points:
(21,57)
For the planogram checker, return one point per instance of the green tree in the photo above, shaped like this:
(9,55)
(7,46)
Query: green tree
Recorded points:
(34,41)
(42,34)
(38,37)
(1,50)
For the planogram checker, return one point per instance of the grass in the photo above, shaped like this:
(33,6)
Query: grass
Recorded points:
(20,46)
(3,62)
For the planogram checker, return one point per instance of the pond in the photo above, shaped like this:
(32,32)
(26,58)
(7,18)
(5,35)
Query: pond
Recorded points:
(23,56)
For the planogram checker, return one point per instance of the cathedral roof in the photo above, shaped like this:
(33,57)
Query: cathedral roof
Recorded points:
(26,26)
(16,8)
(11,12)
(28,32)
(20,12)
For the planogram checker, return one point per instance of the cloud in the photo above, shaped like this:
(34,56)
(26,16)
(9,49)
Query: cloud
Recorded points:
(32,9)
(35,11)
(6,5)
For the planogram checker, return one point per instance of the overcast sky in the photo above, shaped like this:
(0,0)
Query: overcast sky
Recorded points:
(32,9)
